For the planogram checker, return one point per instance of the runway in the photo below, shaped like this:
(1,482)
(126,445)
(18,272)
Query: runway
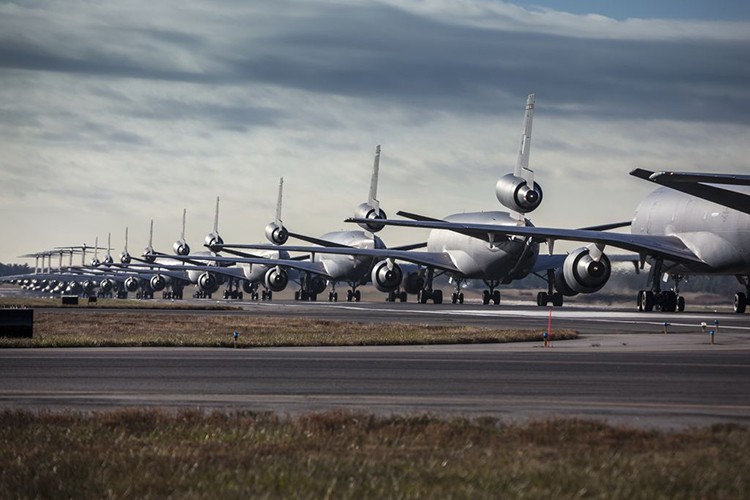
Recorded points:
(623,370)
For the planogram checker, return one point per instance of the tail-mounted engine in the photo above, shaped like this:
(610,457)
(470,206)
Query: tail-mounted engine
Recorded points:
(108,260)
(276,233)
(276,279)
(367,211)
(208,282)
(386,279)
(580,273)
(131,284)
(212,241)
(181,247)
(157,282)
(125,258)
(514,193)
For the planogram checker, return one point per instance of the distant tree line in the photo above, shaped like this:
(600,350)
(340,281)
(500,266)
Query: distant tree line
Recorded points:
(11,269)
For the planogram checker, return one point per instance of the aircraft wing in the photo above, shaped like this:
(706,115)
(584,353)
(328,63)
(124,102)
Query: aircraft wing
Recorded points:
(438,260)
(697,185)
(669,247)
(310,267)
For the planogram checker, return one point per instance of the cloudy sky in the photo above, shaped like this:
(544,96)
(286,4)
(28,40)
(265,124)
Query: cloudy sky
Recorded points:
(113,113)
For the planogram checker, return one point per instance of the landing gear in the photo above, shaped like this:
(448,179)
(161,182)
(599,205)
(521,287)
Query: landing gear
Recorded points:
(395,295)
(740,302)
(458,296)
(656,298)
(427,293)
(550,296)
(333,296)
(353,295)
(491,294)
(266,295)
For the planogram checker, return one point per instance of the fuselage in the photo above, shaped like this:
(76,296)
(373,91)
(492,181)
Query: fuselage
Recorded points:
(349,268)
(480,259)
(718,235)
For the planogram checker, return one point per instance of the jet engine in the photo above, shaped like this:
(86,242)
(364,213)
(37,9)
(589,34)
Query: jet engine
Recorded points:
(249,286)
(208,282)
(276,279)
(212,241)
(125,258)
(514,193)
(108,260)
(131,284)
(385,279)
(367,211)
(88,286)
(106,285)
(317,285)
(74,288)
(157,282)
(580,273)
(276,234)
(413,282)
(181,247)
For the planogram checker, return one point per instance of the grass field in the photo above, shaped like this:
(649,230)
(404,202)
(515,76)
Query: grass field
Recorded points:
(76,328)
(141,454)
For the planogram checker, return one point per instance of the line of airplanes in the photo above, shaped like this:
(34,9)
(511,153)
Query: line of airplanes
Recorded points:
(692,224)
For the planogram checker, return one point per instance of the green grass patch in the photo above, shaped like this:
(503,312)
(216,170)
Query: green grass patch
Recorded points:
(153,453)
(150,328)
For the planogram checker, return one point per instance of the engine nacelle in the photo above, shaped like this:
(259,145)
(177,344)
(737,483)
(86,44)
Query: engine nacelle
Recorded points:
(125,258)
(106,285)
(73,288)
(108,261)
(131,284)
(208,282)
(157,282)
(276,279)
(278,235)
(181,247)
(580,273)
(317,285)
(386,280)
(212,241)
(413,282)
(95,262)
(367,211)
(149,255)
(88,286)
(514,193)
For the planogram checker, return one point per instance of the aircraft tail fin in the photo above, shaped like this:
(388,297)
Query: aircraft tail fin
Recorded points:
(522,162)
(278,202)
(126,239)
(184,216)
(372,198)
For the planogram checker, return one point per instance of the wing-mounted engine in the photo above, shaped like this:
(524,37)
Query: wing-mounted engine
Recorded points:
(209,282)
(581,273)
(131,284)
(414,282)
(276,279)
(277,233)
(157,282)
(317,285)
(516,194)
(106,285)
(372,213)
(386,276)
(88,286)
(249,286)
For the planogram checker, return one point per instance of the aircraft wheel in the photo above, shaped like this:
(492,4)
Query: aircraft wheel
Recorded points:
(357,295)
(557,299)
(461,297)
(740,302)
(269,295)
(349,295)
(680,304)
(640,299)
(496,297)
(335,296)
(485,297)
(648,301)
(422,296)
(402,296)
(437,297)
(541,299)
(330,296)
(454,298)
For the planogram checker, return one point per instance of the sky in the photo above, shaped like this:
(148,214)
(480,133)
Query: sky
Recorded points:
(116,113)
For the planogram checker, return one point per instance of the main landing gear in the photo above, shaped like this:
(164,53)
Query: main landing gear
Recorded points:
(427,293)
(740,298)
(457,297)
(667,300)
(550,296)
(491,294)
(395,295)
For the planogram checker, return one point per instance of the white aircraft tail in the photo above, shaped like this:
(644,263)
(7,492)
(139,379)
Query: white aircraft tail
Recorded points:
(372,199)
(126,239)
(278,202)
(522,163)
(216,217)
(184,216)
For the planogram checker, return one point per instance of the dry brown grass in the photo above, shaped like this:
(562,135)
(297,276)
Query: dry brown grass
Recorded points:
(151,453)
(145,328)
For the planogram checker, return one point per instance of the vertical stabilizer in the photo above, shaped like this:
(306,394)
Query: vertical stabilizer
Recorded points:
(216,217)
(522,163)
(372,199)
(126,239)
(184,215)
(151,236)
(278,203)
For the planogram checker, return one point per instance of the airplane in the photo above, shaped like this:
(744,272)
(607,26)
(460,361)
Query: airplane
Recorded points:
(689,226)
(340,256)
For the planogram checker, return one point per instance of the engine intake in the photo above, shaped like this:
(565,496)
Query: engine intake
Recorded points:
(385,279)
(125,258)
(181,247)
(278,235)
(106,285)
(276,279)
(131,284)
(157,282)
(367,211)
(212,241)
(514,193)
(580,273)
(208,283)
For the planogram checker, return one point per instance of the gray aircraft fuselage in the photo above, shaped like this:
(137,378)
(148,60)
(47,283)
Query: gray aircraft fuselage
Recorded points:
(477,258)
(349,268)
(718,235)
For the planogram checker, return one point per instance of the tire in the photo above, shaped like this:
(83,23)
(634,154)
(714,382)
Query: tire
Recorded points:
(461,298)
(541,299)
(485,297)
(357,295)
(402,296)
(349,295)
(740,302)
(454,298)
(496,297)
(648,301)
(437,297)
(639,300)
(680,304)
(557,299)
